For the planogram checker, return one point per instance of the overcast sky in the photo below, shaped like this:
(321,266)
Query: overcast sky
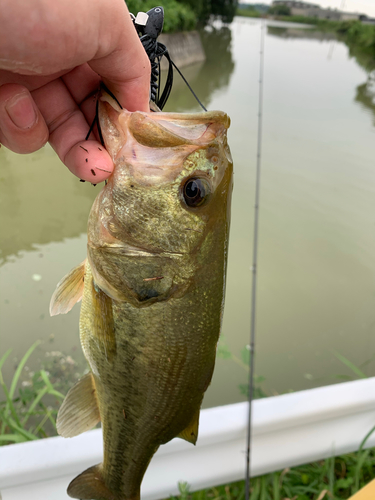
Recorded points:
(362,6)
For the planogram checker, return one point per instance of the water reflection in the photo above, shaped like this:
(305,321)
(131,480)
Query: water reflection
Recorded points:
(366,94)
(307,34)
(40,201)
(208,77)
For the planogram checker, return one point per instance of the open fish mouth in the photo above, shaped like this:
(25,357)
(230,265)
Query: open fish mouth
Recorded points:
(154,145)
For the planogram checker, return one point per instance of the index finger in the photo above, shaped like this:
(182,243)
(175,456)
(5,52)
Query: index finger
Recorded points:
(68,126)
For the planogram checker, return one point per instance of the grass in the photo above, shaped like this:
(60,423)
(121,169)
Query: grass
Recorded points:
(334,478)
(243,361)
(30,414)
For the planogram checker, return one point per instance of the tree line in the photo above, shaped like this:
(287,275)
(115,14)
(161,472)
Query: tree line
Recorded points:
(185,15)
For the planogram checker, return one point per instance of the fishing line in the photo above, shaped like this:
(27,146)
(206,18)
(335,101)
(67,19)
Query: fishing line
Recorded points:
(156,51)
(96,118)
(255,259)
(191,90)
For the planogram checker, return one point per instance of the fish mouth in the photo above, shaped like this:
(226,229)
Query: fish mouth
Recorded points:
(157,130)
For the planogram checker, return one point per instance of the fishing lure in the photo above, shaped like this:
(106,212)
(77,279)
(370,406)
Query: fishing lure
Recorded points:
(149,26)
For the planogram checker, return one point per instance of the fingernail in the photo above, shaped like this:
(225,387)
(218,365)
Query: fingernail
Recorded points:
(21,111)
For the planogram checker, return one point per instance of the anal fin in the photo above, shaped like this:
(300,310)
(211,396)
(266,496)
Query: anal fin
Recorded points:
(90,486)
(190,434)
(79,411)
(68,291)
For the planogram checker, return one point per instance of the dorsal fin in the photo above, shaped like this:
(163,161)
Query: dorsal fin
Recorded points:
(190,434)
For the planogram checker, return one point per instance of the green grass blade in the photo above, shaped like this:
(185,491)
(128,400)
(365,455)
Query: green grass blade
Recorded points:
(8,406)
(2,383)
(363,456)
(242,494)
(331,473)
(13,438)
(33,405)
(20,368)
(366,438)
(28,435)
(3,359)
(350,365)
(255,494)
(49,415)
(275,486)
(51,389)
(40,426)
(263,488)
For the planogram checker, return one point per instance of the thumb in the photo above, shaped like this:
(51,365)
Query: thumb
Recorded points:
(124,65)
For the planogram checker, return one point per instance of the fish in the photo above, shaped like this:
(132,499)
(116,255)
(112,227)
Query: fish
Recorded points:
(152,290)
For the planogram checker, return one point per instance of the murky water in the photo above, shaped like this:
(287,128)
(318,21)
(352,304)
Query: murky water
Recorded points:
(316,291)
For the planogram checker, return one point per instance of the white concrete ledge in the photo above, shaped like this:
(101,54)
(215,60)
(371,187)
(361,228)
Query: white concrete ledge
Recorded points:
(287,430)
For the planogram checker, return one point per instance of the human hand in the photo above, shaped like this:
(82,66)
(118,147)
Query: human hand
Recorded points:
(53,54)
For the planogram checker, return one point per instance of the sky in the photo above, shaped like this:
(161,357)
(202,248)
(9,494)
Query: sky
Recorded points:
(361,6)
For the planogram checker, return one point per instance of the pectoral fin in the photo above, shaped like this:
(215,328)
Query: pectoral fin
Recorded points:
(90,486)
(190,434)
(79,411)
(68,292)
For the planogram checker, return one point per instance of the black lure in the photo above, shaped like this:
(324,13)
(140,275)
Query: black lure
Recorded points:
(149,25)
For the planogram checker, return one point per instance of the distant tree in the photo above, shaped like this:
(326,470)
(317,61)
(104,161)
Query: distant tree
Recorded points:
(226,9)
(279,10)
(203,9)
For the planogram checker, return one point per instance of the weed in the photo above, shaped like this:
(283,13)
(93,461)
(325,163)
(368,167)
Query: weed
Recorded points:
(331,479)
(244,362)
(32,414)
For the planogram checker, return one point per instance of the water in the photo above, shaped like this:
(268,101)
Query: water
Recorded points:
(316,281)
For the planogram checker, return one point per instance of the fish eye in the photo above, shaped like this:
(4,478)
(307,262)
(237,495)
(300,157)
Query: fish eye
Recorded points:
(196,191)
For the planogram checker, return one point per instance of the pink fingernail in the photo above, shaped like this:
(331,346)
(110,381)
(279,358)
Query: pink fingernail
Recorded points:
(21,111)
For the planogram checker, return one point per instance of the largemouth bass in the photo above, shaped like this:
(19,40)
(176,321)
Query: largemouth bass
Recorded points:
(152,290)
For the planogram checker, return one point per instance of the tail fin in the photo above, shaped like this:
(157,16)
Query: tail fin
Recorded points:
(90,486)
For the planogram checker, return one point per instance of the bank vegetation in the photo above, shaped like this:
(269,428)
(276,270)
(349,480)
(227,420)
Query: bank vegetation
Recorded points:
(186,15)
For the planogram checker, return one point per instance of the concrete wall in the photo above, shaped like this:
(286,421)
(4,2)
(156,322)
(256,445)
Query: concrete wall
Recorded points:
(184,48)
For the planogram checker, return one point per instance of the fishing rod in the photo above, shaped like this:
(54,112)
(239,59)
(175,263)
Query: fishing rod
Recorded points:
(255,260)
